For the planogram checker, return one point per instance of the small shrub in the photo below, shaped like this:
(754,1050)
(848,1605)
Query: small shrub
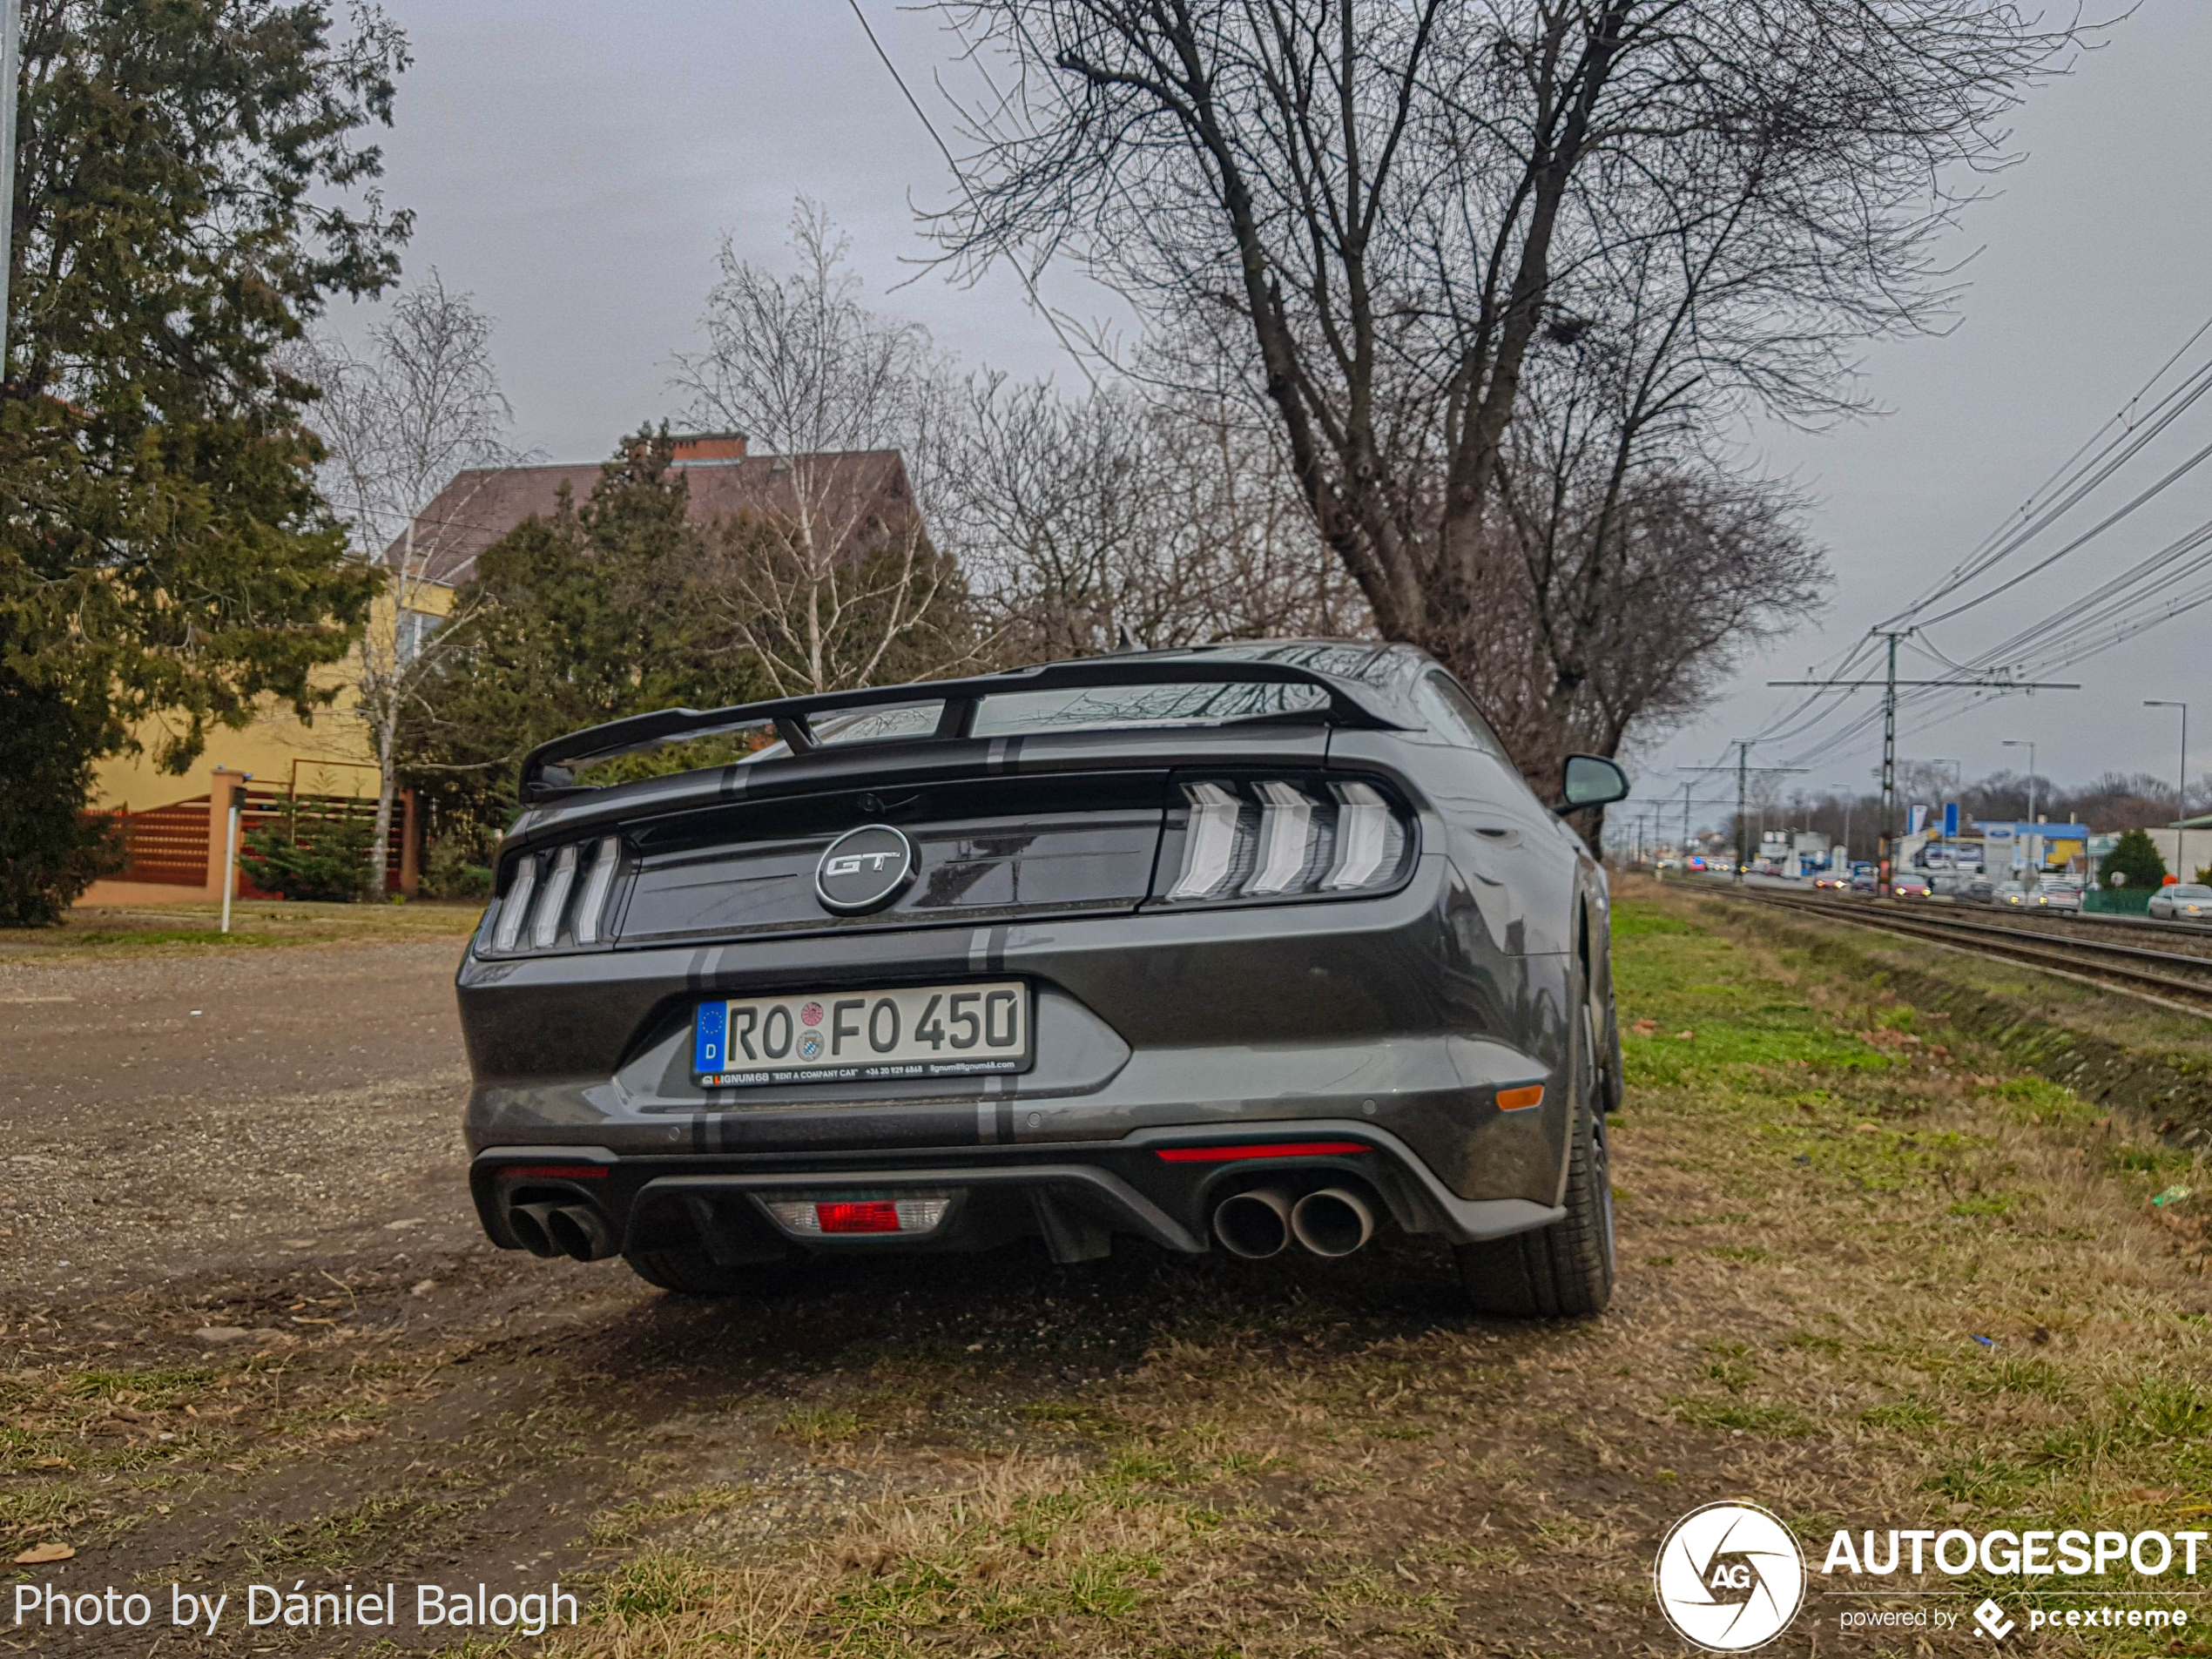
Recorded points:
(449,872)
(312,854)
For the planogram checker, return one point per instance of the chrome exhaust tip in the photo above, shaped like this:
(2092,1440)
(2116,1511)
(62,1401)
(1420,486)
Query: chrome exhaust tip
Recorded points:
(1254,1225)
(1332,1222)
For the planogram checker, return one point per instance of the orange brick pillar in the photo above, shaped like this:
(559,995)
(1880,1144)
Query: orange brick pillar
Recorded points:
(410,845)
(218,824)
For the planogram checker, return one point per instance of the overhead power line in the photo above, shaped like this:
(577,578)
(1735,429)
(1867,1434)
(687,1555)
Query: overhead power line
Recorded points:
(1028,285)
(1885,872)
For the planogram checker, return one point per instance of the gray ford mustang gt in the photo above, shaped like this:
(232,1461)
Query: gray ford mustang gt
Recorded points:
(1254,946)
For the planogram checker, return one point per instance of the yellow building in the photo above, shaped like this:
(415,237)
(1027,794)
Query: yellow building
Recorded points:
(172,858)
(277,756)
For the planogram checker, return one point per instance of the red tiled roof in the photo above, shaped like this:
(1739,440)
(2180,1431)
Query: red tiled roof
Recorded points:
(482,505)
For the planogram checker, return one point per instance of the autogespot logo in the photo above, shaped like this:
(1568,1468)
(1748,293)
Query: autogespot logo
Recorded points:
(1729,1577)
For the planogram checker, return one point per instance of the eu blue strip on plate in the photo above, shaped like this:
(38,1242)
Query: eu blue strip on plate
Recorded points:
(707,1035)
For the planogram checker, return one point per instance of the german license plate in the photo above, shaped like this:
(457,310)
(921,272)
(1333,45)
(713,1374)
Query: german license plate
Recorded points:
(915,1031)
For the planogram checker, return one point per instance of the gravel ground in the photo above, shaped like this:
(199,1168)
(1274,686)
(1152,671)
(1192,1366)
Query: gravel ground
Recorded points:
(254,1335)
(223,1111)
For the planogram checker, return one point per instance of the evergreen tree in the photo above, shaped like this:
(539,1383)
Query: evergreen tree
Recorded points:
(583,618)
(2136,856)
(180,213)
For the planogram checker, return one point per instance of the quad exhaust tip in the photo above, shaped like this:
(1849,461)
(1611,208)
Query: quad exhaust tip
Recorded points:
(1332,1222)
(1260,1222)
(1254,1225)
(573,1229)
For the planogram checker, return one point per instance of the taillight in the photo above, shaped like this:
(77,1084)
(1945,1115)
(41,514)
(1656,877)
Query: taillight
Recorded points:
(1283,837)
(537,898)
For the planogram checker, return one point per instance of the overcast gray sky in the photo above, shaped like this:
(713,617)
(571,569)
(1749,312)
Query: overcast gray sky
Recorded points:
(576,165)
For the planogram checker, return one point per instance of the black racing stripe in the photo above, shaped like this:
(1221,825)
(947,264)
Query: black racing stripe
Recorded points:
(699,1131)
(733,781)
(695,974)
(1013,754)
(995,952)
(1006,1121)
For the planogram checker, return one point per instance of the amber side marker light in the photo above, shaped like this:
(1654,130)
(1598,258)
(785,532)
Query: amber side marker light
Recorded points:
(1259,1149)
(1519,1100)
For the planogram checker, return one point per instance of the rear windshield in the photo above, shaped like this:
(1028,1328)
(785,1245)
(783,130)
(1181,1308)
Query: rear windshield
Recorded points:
(1174,703)
(1010,714)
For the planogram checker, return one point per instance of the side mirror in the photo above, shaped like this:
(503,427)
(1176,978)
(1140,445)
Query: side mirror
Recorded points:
(1592,780)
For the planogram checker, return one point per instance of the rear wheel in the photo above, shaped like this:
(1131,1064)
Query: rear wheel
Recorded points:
(1565,1269)
(692,1272)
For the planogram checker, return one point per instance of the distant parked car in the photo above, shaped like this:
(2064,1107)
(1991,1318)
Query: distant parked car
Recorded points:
(1951,884)
(1863,882)
(2010,892)
(2057,895)
(2182,902)
(1911,884)
(1982,889)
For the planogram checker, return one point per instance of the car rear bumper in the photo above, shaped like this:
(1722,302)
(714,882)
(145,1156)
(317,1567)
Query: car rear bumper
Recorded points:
(1074,1196)
(1405,1013)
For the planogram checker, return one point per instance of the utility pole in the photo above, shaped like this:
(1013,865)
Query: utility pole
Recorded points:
(1743,769)
(1886,873)
(2181,780)
(10,57)
(1685,828)
(1885,858)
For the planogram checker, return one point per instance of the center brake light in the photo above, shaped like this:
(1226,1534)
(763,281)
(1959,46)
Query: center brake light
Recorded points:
(866,1216)
(847,1213)
(1277,838)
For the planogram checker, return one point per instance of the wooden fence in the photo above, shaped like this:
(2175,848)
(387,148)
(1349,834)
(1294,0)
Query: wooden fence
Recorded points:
(170,846)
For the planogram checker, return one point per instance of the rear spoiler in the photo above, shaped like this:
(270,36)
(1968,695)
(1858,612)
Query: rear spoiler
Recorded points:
(546,769)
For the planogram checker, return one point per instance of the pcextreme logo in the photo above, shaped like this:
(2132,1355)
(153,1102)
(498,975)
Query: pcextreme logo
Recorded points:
(1729,1577)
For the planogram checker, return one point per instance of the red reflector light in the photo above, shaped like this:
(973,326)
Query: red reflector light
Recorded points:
(557,1171)
(874,1215)
(1260,1150)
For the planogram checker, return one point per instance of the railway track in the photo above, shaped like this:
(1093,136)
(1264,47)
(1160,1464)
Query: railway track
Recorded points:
(2177,978)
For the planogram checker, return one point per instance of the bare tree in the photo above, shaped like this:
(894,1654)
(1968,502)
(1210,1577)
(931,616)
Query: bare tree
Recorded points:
(836,577)
(1384,210)
(1116,517)
(400,422)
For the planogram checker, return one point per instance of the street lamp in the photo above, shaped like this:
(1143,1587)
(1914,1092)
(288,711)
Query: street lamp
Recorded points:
(2028,744)
(2024,743)
(2181,782)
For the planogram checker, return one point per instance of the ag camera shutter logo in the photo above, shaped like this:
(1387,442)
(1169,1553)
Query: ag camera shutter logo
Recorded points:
(1729,1577)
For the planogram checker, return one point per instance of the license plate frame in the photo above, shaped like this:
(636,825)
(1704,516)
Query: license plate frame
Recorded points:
(767,1037)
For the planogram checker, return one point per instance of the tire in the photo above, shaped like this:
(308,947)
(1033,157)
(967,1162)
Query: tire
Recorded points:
(1616,1090)
(691,1272)
(1564,1271)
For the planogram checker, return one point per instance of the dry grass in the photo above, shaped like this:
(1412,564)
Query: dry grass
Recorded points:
(1870,1276)
(1865,1281)
(91,929)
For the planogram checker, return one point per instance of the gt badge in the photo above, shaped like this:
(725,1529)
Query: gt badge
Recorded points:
(864,869)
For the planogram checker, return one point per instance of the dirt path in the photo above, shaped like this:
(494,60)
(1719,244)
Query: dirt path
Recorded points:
(1833,1246)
